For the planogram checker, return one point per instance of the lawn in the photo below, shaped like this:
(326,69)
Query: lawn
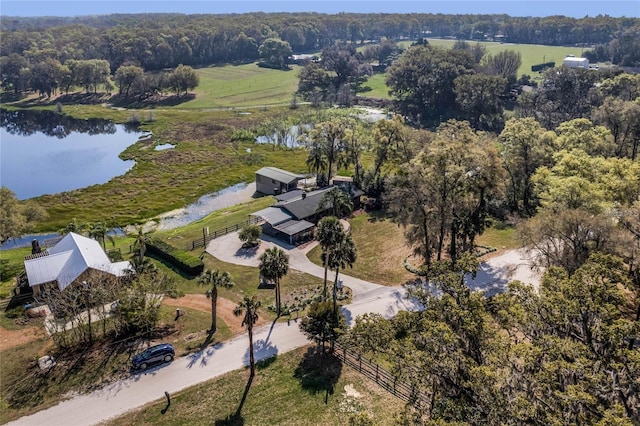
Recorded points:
(247,85)
(378,87)
(381,250)
(531,54)
(291,388)
(500,238)
(217,220)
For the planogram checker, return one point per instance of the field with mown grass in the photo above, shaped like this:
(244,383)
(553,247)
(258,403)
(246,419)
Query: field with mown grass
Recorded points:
(291,388)
(381,250)
(239,86)
(532,54)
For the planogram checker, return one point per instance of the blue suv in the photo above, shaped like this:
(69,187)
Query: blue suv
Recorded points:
(163,352)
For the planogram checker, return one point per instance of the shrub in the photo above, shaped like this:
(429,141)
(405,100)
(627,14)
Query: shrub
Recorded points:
(249,235)
(16,312)
(181,259)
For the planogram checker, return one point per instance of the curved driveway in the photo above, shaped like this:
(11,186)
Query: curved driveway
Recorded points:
(271,339)
(116,399)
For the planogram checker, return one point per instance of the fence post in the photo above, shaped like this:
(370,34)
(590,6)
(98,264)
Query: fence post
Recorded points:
(376,372)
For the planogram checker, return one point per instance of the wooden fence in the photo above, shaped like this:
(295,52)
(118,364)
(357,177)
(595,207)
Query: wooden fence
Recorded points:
(381,376)
(202,242)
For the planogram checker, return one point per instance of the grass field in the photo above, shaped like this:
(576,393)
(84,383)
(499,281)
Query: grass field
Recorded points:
(292,388)
(531,54)
(381,250)
(247,85)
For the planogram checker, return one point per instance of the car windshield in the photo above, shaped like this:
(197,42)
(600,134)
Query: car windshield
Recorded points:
(146,354)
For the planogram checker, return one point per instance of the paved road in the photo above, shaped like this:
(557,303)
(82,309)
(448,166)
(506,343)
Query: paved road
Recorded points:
(141,389)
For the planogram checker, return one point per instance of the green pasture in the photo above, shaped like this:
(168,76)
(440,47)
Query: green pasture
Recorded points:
(531,53)
(298,387)
(247,85)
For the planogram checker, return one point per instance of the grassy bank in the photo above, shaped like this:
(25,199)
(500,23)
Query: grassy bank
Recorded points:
(293,388)
(205,160)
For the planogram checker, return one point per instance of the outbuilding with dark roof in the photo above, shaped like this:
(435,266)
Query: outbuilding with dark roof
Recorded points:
(274,181)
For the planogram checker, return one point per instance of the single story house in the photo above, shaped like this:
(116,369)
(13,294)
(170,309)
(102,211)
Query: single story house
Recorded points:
(294,216)
(70,260)
(274,181)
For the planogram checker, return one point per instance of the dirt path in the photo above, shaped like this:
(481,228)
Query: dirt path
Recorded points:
(201,303)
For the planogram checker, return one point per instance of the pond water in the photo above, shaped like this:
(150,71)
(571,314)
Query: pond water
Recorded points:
(206,204)
(164,146)
(227,197)
(294,137)
(47,153)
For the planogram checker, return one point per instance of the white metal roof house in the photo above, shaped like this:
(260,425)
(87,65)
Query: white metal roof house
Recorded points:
(273,181)
(68,260)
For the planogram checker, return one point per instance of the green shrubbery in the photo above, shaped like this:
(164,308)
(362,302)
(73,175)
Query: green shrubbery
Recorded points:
(184,261)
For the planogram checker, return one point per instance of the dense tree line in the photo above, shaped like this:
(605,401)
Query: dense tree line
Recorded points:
(158,41)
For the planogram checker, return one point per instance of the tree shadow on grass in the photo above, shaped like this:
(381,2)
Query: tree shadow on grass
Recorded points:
(236,419)
(318,372)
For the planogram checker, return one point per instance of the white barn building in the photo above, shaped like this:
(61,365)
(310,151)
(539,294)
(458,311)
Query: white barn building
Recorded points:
(573,62)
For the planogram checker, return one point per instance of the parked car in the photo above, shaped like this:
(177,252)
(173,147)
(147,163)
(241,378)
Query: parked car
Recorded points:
(163,352)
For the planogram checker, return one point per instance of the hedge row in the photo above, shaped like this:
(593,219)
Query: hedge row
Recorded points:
(182,260)
(541,67)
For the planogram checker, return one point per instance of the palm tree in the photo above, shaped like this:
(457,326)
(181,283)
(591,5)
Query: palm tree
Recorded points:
(329,233)
(214,279)
(74,226)
(99,231)
(316,162)
(343,254)
(249,309)
(274,264)
(338,201)
(141,237)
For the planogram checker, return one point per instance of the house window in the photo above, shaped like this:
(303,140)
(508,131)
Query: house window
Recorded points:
(273,181)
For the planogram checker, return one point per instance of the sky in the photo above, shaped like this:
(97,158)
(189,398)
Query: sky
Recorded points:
(571,8)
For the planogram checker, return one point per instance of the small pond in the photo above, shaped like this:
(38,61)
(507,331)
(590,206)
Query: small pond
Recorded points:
(164,146)
(47,153)
(294,137)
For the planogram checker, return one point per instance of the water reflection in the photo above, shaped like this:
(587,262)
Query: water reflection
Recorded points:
(46,153)
(49,123)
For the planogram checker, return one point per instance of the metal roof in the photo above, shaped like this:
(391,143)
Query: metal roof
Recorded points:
(293,227)
(273,215)
(302,208)
(68,259)
(278,175)
(286,196)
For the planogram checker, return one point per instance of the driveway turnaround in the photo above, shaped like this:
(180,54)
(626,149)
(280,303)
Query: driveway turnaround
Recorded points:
(142,388)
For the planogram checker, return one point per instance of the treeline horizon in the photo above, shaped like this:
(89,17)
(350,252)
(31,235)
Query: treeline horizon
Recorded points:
(158,41)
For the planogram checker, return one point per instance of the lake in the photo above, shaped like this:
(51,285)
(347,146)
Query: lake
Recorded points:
(47,153)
